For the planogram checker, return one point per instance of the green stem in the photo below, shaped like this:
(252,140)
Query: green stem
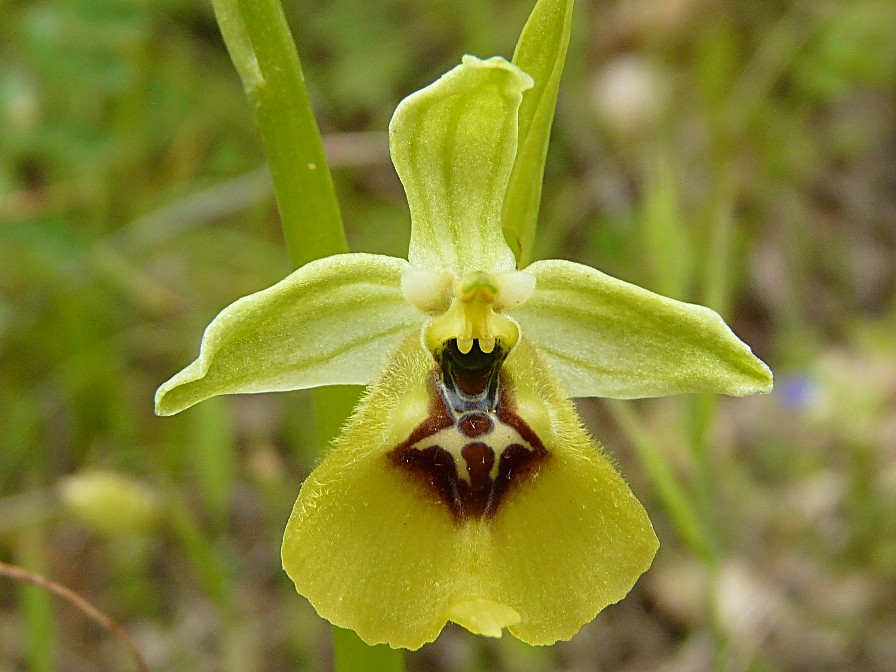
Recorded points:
(350,653)
(36,605)
(264,54)
(669,489)
(263,51)
(716,293)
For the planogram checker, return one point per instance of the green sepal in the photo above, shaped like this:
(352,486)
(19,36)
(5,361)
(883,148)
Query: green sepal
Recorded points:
(607,338)
(453,144)
(332,322)
(540,52)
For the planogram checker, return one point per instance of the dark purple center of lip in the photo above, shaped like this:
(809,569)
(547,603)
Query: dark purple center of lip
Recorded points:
(475,424)
(472,394)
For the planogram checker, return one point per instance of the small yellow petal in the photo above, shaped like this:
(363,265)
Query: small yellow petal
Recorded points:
(483,617)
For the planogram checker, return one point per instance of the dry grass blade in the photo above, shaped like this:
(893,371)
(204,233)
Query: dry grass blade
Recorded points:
(21,574)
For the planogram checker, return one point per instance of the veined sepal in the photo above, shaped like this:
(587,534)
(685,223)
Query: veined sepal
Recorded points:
(453,144)
(604,337)
(332,322)
(375,548)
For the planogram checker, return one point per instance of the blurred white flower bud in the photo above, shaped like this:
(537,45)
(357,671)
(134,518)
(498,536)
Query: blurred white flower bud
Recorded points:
(19,103)
(628,95)
(109,503)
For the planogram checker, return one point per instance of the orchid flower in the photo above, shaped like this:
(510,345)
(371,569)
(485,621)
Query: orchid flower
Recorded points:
(464,487)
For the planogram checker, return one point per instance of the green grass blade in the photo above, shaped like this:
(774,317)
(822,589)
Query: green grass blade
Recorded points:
(541,53)
(350,653)
(264,54)
(263,51)
(678,504)
(37,608)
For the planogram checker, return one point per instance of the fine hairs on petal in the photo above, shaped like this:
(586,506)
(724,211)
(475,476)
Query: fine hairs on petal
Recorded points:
(375,552)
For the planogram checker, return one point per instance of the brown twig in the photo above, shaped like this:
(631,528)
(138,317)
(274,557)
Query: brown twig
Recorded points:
(20,574)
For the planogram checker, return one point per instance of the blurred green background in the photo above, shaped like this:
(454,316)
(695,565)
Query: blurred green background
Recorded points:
(739,154)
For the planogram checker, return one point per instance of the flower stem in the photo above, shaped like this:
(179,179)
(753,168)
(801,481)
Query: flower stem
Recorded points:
(350,653)
(670,490)
(264,54)
(262,49)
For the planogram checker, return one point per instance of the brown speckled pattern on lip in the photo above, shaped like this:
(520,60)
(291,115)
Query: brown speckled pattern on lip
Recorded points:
(473,446)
